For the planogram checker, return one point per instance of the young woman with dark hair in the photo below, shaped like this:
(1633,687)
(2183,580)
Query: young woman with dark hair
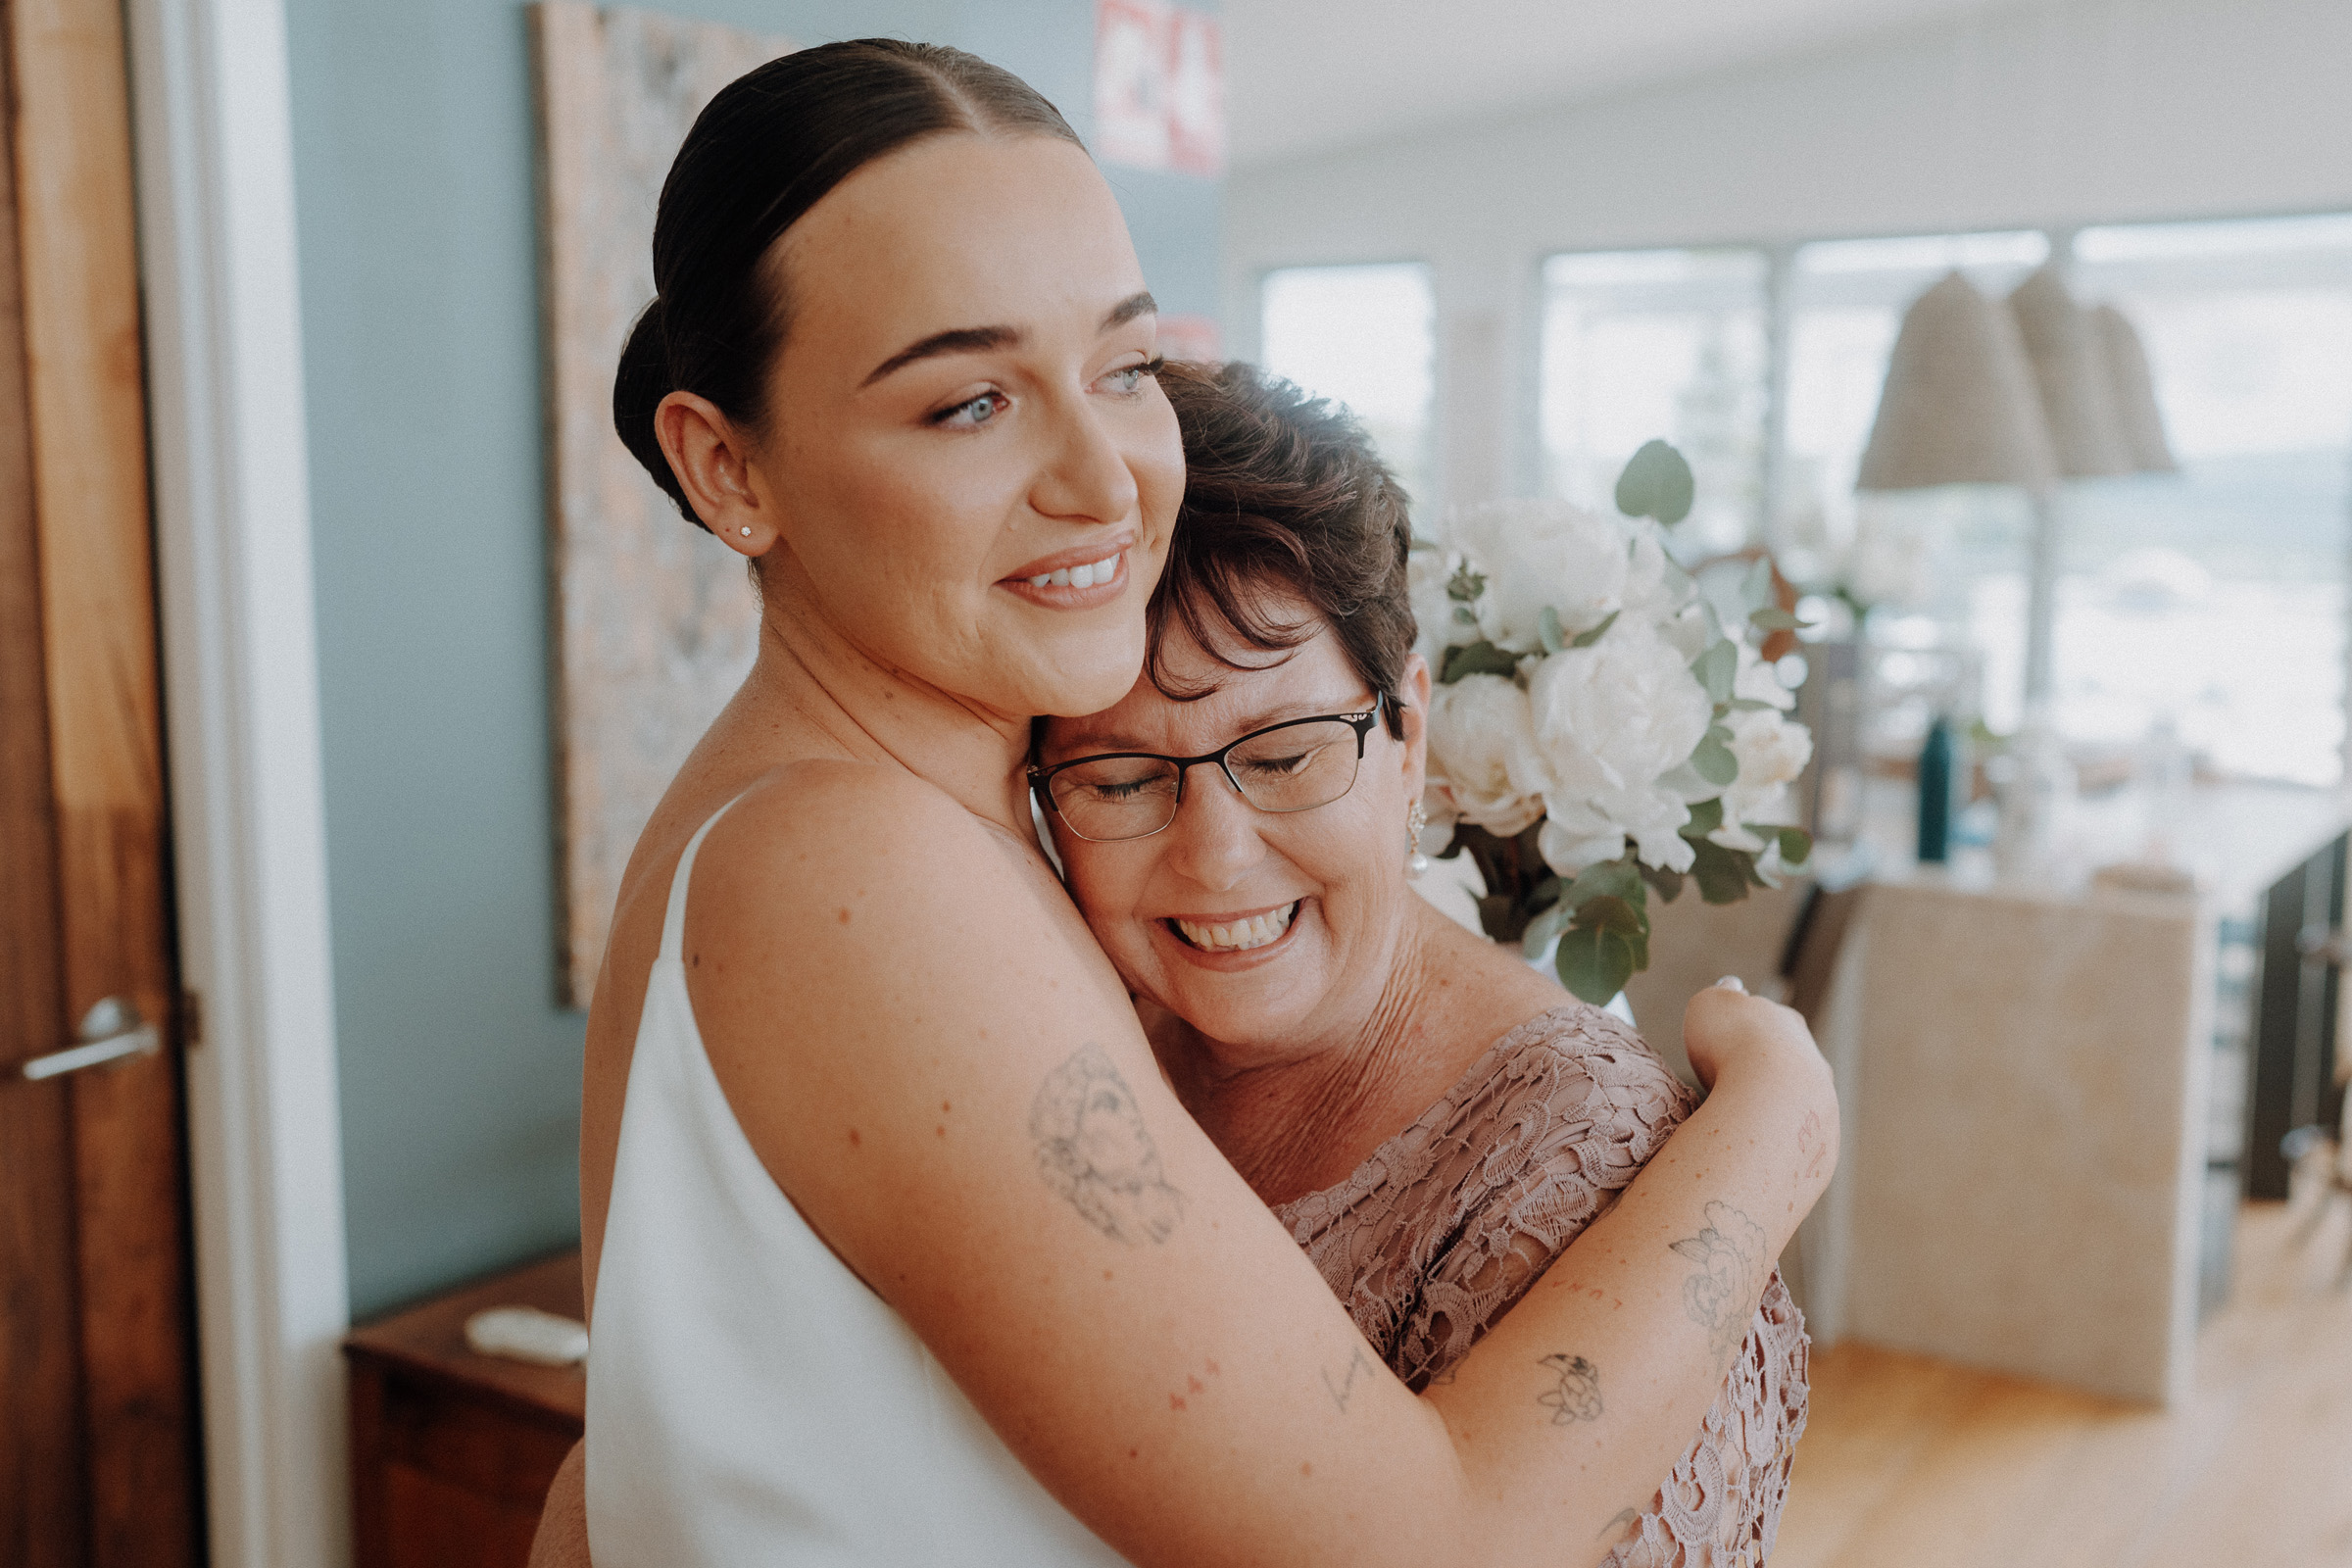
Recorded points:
(899,1249)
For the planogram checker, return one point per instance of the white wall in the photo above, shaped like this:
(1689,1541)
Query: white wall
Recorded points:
(2101,111)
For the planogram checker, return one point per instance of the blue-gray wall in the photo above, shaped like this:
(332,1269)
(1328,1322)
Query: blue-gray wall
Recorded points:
(412,150)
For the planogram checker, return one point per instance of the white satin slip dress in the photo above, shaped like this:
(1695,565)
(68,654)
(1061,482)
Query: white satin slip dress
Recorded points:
(750,1400)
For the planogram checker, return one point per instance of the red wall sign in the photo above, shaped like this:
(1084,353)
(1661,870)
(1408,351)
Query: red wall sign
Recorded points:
(1159,87)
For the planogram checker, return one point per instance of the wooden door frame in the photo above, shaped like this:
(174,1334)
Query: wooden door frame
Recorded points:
(213,139)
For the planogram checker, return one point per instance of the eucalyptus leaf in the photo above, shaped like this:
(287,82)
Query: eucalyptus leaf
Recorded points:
(1595,964)
(1586,638)
(1465,586)
(1548,631)
(1747,705)
(1610,913)
(1656,483)
(1755,589)
(1796,846)
(1478,658)
(1716,669)
(1618,881)
(1723,875)
(1542,929)
(1706,818)
(1668,884)
(1713,760)
(1775,618)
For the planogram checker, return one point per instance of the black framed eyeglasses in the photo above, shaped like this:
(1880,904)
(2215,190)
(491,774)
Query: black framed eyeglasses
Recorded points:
(1295,765)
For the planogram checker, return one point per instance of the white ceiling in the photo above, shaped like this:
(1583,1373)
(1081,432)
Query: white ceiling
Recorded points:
(1307,75)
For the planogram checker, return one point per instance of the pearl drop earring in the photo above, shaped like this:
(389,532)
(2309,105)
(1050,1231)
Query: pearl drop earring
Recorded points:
(1415,820)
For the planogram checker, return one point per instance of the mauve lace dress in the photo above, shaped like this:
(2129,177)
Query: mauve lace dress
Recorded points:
(1447,1225)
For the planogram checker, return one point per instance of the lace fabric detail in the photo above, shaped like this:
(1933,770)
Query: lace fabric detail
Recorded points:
(1445,1225)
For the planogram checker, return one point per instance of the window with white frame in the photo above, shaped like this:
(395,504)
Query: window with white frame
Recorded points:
(1667,343)
(1364,336)
(1944,569)
(2213,601)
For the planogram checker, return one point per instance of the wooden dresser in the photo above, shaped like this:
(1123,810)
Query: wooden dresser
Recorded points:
(452,1453)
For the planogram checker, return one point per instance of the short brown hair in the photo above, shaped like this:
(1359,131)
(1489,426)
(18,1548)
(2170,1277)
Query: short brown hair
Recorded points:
(1281,489)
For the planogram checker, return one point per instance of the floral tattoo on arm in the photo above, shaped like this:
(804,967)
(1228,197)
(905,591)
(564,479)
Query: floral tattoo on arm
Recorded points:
(1094,1150)
(1721,1293)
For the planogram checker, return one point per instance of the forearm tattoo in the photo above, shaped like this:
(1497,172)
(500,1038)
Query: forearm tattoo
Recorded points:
(1721,1296)
(1575,1395)
(1094,1150)
(1343,1387)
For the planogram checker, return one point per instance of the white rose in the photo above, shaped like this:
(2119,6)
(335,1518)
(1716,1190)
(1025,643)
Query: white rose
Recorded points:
(1619,713)
(1611,722)
(1576,836)
(1771,750)
(1688,630)
(1426,575)
(1581,833)
(1475,726)
(1758,681)
(1539,553)
(1655,588)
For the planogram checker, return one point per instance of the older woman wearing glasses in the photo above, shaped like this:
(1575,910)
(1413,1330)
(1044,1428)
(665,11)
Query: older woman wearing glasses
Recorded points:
(1434,1120)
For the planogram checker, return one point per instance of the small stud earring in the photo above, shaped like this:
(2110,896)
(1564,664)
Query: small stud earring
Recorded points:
(747,532)
(1415,820)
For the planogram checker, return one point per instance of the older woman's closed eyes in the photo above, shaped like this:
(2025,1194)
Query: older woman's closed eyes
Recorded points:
(1432,1120)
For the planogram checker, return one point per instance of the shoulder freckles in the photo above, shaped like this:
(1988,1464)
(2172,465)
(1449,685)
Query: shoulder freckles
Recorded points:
(819,840)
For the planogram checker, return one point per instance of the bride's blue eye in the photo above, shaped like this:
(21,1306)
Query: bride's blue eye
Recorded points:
(981,409)
(1127,378)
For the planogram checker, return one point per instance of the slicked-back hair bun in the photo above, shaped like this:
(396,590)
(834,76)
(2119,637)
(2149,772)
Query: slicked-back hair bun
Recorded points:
(763,152)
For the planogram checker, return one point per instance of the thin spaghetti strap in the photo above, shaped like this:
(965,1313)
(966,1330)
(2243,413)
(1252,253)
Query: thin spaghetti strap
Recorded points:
(673,920)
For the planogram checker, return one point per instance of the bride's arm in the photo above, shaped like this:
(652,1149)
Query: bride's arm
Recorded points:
(963,1106)
(1757,1153)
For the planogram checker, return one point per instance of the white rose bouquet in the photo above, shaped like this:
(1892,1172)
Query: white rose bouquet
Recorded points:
(1596,730)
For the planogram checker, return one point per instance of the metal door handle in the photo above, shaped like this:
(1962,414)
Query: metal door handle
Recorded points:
(110,1031)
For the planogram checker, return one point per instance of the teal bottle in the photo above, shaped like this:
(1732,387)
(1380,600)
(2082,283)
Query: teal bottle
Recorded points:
(1936,794)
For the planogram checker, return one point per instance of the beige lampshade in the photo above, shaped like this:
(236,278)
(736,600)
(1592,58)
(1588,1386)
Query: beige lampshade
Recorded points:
(2070,366)
(1960,405)
(2135,389)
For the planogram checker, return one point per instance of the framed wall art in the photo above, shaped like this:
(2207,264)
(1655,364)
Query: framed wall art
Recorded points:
(655,622)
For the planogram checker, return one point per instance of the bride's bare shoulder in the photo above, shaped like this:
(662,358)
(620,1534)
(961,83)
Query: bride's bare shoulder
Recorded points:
(863,864)
(802,819)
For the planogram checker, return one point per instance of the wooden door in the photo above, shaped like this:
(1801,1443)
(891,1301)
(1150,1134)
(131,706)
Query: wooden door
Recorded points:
(98,1460)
